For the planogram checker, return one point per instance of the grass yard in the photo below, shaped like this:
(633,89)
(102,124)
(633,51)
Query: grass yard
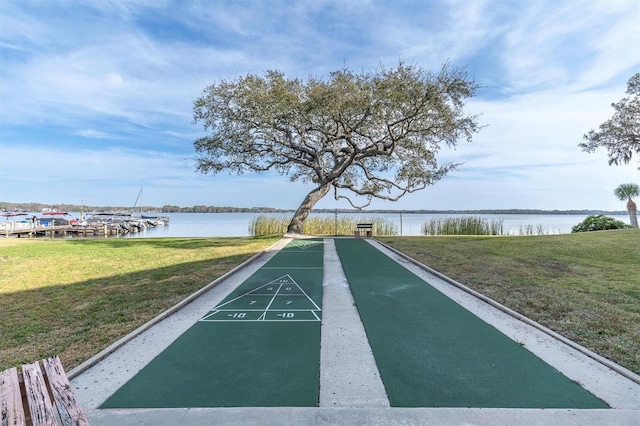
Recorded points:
(74,297)
(585,286)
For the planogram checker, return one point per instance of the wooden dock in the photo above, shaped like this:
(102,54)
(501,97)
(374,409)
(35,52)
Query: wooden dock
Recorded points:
(90,230)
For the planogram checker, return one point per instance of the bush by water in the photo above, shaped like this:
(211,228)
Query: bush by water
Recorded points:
(599,223)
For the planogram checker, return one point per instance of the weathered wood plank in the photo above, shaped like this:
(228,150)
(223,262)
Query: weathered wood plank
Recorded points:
(63,396)
(40,405)
(11,409)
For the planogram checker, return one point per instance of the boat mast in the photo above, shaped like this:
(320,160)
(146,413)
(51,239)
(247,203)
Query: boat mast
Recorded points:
(137,198)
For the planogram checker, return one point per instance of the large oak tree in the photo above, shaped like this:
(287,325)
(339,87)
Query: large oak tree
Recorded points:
(368,135)
(620,135)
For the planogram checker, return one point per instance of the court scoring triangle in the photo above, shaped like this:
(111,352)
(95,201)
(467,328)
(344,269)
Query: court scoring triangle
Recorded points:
(281,299)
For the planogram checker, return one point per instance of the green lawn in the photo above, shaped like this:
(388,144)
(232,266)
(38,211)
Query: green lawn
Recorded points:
(585,286)
(74,297)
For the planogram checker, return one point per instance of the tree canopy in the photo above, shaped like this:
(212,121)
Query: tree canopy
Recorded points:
(620,135)
(368,135)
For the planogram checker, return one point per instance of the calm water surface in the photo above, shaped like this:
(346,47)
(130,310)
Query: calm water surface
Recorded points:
(237,224)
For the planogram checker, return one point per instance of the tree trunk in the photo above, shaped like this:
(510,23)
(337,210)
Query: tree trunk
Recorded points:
(633,213)
(295,226)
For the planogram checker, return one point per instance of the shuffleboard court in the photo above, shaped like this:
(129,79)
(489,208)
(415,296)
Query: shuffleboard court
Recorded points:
(431,352)
(259,347)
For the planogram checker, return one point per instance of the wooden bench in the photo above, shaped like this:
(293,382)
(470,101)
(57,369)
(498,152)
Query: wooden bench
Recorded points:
(26,397)
(363,227)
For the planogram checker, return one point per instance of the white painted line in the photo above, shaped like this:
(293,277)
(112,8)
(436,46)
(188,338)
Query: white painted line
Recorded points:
(262,310)
(299,268)
(303,292)
(266,320)
(210,315)
(272,299)
(286,282)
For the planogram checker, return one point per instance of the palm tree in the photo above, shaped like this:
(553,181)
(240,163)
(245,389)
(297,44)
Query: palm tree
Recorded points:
(626,191)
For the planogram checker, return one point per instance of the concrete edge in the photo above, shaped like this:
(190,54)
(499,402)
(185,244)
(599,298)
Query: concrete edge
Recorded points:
(602,360)
(144,327)
(360,416)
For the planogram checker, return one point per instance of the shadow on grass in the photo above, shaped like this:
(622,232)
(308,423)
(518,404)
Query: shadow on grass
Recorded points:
(78,320)
(179,243)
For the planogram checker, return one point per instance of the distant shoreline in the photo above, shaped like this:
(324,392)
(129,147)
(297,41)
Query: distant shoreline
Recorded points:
(485,211)
(34,207)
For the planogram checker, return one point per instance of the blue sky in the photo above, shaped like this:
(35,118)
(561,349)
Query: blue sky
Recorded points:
(96,97)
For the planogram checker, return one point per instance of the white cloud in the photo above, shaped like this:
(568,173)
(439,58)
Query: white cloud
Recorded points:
(118,78)
(555,43)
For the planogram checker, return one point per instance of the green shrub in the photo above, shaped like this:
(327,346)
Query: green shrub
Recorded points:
(599,223)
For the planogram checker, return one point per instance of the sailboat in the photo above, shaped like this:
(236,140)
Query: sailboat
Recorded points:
(154,220)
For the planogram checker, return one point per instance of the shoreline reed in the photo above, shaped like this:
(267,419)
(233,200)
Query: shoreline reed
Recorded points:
(265,225)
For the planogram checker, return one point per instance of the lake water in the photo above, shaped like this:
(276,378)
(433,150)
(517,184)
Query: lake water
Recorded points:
(237,224)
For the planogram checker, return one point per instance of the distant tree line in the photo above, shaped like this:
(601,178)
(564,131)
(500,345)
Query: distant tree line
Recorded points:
(167,208)
(218,209)
(36,207)
(504,211)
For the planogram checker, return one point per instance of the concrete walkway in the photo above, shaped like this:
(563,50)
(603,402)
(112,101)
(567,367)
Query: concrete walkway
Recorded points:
(351,391)
(349,376)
